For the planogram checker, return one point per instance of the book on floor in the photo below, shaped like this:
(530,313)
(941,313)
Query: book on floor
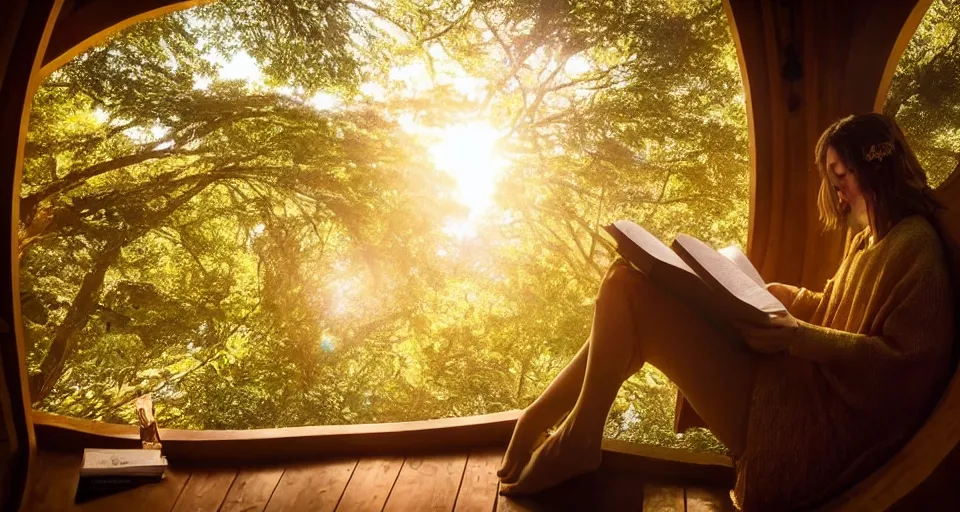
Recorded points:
(122,462)
(723,284)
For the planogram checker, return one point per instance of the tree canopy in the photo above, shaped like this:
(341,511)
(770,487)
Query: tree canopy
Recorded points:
(924,95)
(300,212)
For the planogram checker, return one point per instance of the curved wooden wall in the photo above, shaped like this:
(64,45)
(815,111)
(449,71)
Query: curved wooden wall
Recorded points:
(25,28)
(846,51)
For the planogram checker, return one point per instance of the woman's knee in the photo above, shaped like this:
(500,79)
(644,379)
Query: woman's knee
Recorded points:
(621,282)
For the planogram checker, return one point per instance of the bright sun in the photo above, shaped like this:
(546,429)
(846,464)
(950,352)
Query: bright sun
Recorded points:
(468,153)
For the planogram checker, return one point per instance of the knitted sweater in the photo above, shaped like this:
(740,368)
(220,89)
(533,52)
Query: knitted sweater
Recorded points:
(866,366)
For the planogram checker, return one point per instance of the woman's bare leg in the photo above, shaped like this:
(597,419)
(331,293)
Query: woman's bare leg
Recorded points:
(633,316)
(545,412)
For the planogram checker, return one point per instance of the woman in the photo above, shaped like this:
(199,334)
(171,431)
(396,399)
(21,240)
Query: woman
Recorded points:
(807,406)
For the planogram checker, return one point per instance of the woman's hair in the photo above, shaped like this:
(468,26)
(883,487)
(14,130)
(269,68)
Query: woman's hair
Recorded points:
(891,179)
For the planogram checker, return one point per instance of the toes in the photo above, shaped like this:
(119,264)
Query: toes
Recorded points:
(513,475)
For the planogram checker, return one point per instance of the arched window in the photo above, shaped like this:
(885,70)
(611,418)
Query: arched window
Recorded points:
(268,215)
(924,95)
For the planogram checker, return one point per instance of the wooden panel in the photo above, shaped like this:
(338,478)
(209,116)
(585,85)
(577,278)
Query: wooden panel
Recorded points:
(618,490)
(668,463)
(478,489)
(272,445)
(95,20)
(506,504)
(312,487)
(53,482)
(701,499)
(156,497)
(251,490)
(427,483)
(663,498)
(205,491)
(370,484)
(25,28)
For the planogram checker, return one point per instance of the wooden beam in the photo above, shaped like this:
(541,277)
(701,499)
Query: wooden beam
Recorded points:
(25,26)
(275,445)
(278,444)
(95,20)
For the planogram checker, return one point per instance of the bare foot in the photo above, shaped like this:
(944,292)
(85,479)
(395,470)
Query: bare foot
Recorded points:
(528,435)
(564,455)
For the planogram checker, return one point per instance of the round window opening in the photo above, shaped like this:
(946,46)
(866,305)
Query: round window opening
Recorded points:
(924,94)
(273,214)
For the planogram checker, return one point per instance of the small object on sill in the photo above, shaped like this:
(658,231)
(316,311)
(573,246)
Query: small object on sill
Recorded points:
(149,432)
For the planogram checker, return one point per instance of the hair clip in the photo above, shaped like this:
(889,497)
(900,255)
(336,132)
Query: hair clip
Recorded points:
(879,151)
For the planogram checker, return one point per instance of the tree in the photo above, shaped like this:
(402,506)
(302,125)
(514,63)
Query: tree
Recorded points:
(255,258)
(925,91)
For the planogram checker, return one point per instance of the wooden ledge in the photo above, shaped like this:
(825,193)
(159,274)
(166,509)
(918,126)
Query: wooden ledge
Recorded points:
(272,445)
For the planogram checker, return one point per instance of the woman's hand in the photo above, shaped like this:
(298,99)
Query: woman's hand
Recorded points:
(785,293)
(773,337)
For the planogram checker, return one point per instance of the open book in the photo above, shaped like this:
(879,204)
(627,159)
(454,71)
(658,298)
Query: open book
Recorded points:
(722,284)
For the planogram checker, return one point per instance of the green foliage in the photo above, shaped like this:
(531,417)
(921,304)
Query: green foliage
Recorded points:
(924,95)
(256,260)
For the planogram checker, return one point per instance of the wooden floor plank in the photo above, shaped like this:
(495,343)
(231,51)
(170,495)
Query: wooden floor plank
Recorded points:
(478,489)
(518,504)
(205,490)
(370,484)
(427,483)
(617,490)
(704,499)
(251,490)
(314,487)
(580,493)
(53,481)
(55,485)
(155,497)
(663,498)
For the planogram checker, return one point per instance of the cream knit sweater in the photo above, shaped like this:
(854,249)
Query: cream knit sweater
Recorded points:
(868,362)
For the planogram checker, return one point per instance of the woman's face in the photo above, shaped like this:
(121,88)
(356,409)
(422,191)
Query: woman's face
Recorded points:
(851,198)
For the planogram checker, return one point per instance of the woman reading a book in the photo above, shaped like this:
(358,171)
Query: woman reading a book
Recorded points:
(808,404)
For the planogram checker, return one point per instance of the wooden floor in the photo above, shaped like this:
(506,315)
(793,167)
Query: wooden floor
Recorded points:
(457,482)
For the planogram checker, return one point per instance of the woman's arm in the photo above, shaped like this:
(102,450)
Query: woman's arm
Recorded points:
(800,302)
(918,319)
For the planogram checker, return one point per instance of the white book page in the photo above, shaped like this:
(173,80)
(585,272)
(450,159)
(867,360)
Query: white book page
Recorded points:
(729,276)
(734,254)
(651,244)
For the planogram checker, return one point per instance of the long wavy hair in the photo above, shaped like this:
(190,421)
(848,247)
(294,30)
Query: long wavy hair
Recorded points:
(894,184)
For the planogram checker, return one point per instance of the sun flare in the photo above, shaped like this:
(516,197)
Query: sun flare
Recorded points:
(468,153)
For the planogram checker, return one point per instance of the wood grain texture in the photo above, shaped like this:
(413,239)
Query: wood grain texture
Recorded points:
(663,497)
(704,499)
(518,504)
(478,489)
(370,484)
(155,497)
(427,483)
(205,490)
(617,491)
(251,490)
(274,445)
(53,482)
(25,29)
(312,487)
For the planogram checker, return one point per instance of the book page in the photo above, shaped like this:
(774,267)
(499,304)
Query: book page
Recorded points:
(727,276)
(650,247)
(734,254)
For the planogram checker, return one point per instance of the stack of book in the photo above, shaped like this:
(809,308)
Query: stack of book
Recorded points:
(106,471)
